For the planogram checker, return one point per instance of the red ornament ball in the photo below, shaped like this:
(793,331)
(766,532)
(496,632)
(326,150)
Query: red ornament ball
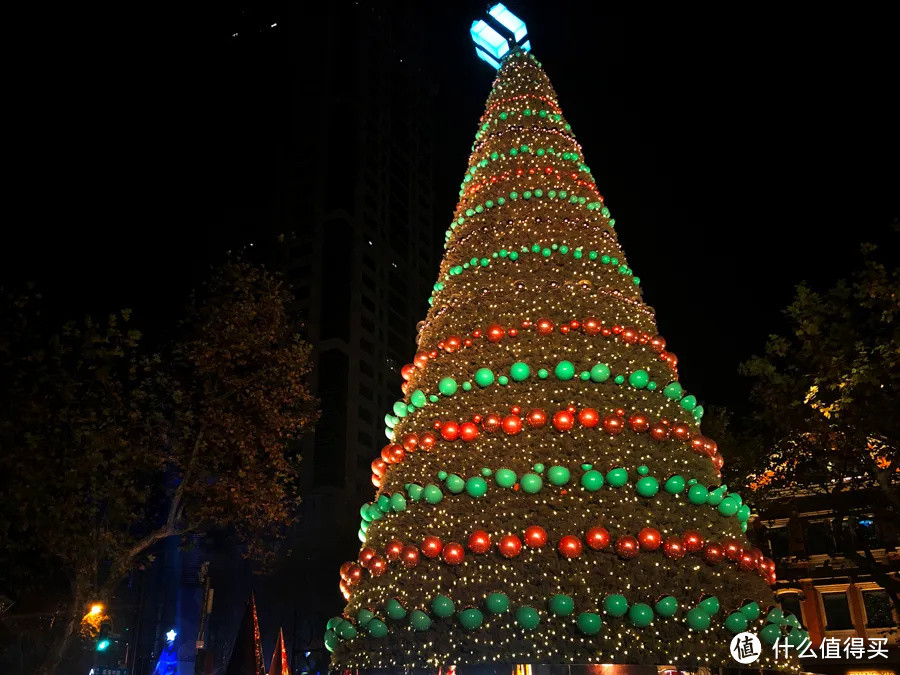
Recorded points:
(536,418)
(617,329)
(479,542)
(563,420)
(597,538)
(658,343)
(659,432)
(431,546)
(650,538)
(410,556)
(713,554)
(495,333)
(588,417)
(407,371)
(570,546)
(490,424)
(510,546)
(516,410)
(354,574)
(449,431)
(693,541)
(673,548)
(718,462)
(452,343)
(746,562)
(453,553)
(535,536)
(376,480)
(512,425)
(732,548)
(639,422)
(613,424)
(410,442)
(591,326)
(681,431)
(393,550)
(629,335)
(377,566)
(345,569)
(378,466)
(512,332)
(420,359)
(366,554)
(544,326)
(427,440)
(468,431)
(627,547)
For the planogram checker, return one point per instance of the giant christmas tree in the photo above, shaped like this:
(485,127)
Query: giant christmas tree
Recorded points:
(546,495)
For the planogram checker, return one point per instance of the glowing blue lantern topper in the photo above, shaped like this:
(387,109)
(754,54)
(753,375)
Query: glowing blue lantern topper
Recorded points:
(500,34)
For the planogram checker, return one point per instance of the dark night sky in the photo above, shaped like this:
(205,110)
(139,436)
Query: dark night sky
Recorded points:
(739,154)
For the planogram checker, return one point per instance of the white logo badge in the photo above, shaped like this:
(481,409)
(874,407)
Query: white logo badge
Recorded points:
(745,648)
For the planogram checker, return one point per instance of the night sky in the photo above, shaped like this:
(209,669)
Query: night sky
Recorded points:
(739,153)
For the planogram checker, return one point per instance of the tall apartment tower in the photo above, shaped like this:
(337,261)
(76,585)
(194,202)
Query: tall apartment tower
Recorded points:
(360,252)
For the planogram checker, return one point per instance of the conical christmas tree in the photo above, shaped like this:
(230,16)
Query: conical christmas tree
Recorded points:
(246,656)
(546,495)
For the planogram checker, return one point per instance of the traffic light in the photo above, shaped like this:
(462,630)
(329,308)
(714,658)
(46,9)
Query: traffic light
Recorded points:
(103,640)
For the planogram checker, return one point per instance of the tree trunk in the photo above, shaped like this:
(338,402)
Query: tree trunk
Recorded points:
(60,642)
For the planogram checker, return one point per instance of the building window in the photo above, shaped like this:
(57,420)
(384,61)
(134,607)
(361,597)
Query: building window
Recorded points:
(778,540)
(837,611)
(819,539)
(867,534)
(879,609)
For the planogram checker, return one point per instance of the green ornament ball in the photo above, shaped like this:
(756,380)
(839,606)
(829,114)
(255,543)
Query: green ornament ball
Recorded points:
(415,491)
(791,620)
(770,633)
(531,483)
(615,605)
(447,386)
(331,640)
(528,618)
(751,610)
(565,370)
(673,391)
(333,621)
(442,606)
(433,494)
(675,485)
(775,616)
(538,468)
(697,619)
(743,513)
(589,623)
(600,373)
(346,630)
(592,480)
(384,503)
(419,620)
(503,380)
(561,605)
(689,402)
(639,379)
(710,605)
(486,472)
(497,603)
(643,470)
(736,622)
(476,486)
(442,475)
(647,486)
(559,475)
(398,502)
(364,616)
(666,606)
(619,379)
(377,628)
(617,477)
(394,609)
(715,497)
(484,377)
(471,618)
(505,478)
(729,506)
(543,373)
(796,637)
(698,494)
(455,484)
(519,371)
(640,615)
